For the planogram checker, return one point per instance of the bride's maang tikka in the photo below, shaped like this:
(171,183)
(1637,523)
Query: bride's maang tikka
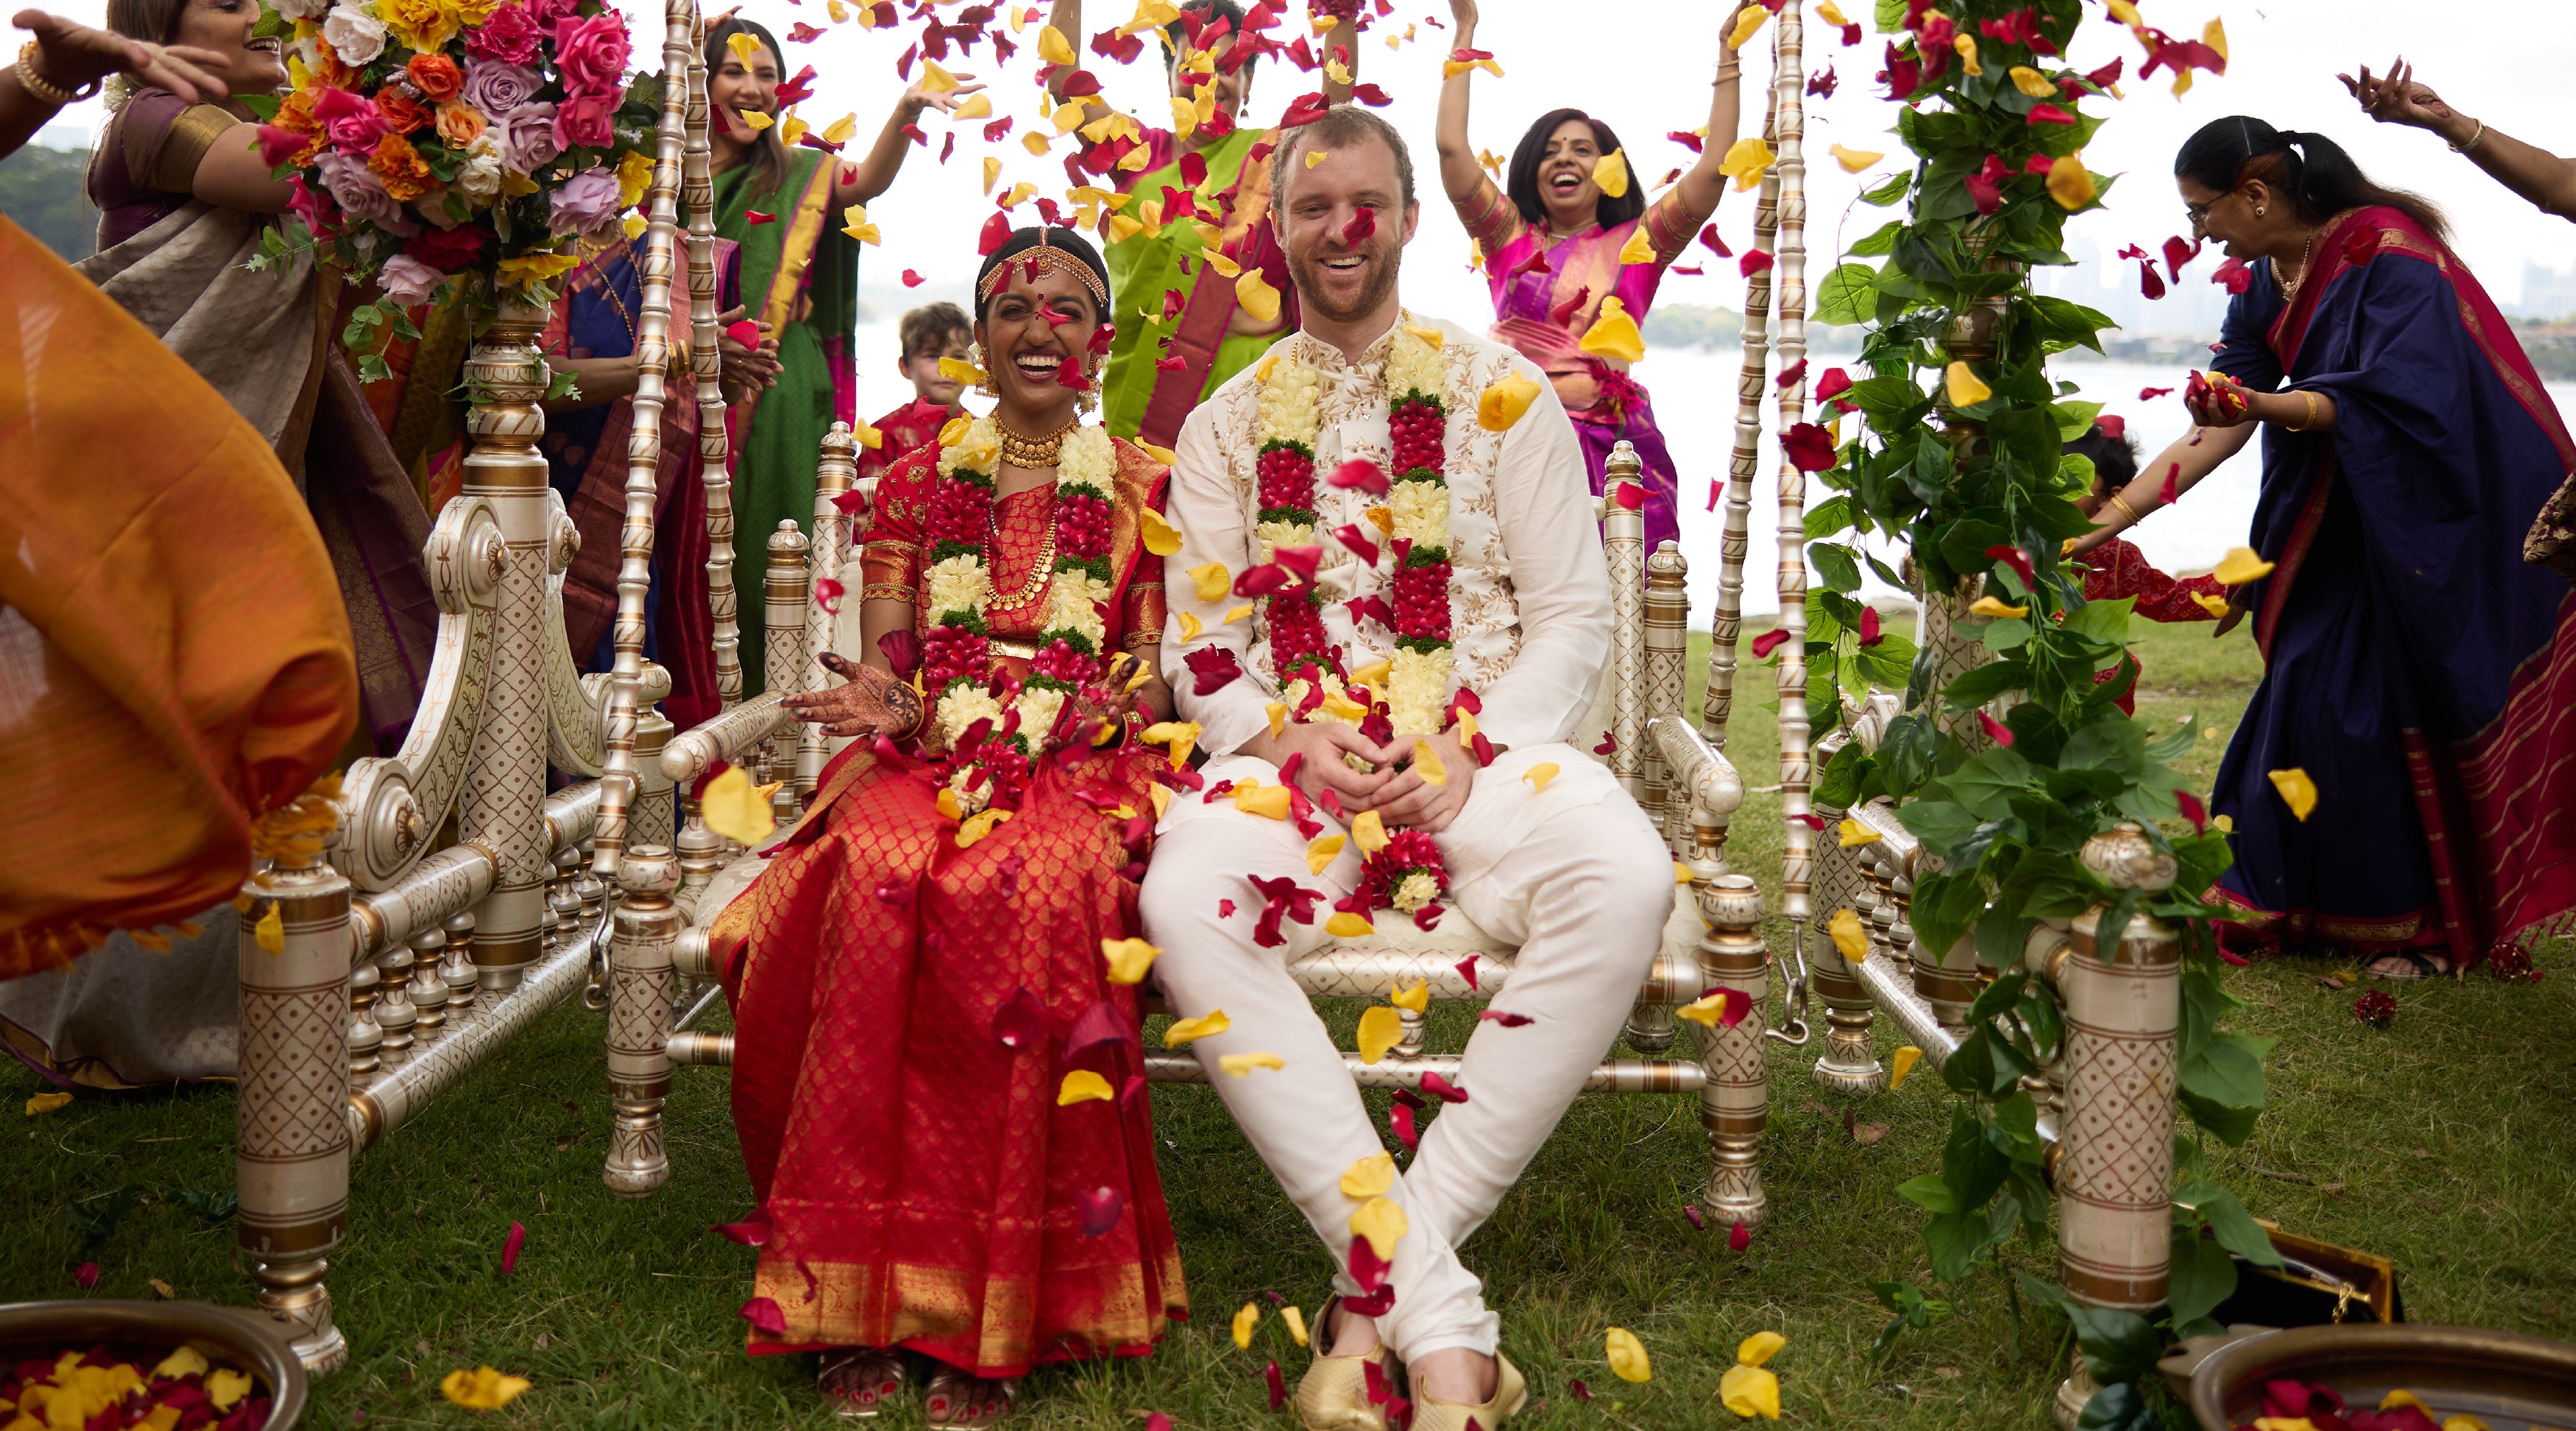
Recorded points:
(1042,258)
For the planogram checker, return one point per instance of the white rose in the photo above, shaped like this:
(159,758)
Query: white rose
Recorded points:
(1415,890)
(479,177)
(1087,460)
(356,36)
(300,9)
(1072,605)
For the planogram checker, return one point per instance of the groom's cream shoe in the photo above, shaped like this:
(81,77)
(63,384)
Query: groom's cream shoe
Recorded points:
(1510,1392)
(1333,1394)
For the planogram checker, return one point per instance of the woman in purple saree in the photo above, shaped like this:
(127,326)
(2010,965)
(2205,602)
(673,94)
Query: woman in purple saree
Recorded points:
(2415,669)
(1558,249)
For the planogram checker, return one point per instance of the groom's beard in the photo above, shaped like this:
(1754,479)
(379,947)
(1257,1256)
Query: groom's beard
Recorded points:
(1383,251)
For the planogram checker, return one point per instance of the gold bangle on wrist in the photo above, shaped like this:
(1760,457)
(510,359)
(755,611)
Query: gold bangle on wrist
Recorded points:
(2309,419)
(2473,139)
(2126,510)
(44,89)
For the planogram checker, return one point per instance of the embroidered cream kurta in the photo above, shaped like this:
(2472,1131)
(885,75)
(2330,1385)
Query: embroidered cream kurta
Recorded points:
(1530,590)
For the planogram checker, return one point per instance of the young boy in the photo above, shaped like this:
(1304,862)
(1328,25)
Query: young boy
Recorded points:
(929,333)
(2116,568)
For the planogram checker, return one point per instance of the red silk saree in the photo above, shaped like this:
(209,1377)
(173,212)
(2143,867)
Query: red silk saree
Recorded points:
(924,1188)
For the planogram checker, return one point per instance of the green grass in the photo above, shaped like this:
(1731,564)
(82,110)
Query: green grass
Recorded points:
(2445,1142)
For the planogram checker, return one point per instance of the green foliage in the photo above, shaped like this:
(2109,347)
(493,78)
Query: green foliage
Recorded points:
(1984,490)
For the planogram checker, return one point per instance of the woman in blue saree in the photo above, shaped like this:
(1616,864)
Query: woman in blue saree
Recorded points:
(2416,670)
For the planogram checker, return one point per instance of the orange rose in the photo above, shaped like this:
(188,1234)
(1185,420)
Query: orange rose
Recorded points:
(400,168)
(403,114)
(437,77)
(295,112)
(460,124)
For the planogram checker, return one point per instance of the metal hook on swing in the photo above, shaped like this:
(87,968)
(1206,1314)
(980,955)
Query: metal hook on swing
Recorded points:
(1793,1000)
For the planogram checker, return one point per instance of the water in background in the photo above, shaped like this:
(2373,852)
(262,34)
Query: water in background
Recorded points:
(1694,392)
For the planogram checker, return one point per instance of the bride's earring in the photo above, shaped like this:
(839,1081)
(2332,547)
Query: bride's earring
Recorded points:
(985,385)
(1089,400)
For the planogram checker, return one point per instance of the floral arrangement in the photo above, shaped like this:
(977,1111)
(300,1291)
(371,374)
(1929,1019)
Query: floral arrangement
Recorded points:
(987,727)
(1407,693)
(438,140)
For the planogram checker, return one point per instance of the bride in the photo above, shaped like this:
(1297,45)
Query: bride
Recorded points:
(938,1081)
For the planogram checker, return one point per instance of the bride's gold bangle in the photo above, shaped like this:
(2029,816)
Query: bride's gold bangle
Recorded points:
(2126,510)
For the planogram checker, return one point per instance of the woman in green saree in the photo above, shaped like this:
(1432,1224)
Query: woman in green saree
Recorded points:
(781,202)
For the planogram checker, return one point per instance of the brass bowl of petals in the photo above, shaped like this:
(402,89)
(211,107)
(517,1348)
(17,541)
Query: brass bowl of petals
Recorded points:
(164,1366)
(2390,1377)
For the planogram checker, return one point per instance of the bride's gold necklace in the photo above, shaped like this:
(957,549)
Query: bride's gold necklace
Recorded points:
(1033,453)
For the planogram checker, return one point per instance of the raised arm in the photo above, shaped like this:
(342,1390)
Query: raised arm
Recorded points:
(1066,20)
(73,58)
(1459,175)
(2545,179)
(1695,195)
(860,183)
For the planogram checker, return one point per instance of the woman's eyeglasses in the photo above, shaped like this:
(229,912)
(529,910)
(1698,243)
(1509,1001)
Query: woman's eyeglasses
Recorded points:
(2198,213)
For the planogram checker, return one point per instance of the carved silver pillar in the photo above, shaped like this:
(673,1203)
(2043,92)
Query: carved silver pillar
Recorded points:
(397,1020)
(456,966)
(641,984)
(1623,539)
(1849,1062)
(783,655)
(292,1158)
(1734,1102)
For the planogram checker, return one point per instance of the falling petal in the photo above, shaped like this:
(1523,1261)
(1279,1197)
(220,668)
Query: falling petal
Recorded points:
(1347,925)
(2069,184)
(1427,764)
(270,931)
(1638,248)
(1021,1021)
(1128,959)
(1161,537)
(1627,1354)
(1853,833)
(1381,1028)
(1256,297)
(1369,832)
(1207,1025)
(1502,403)
(1399,1121)
(2297,791)
(1099,1209)
(1538,775)
(1241,1065)
(2031,82)
(1750,1391)
(1808,446)
(763,1313)
(1081,1085)
(1855,160)
(1745,26)
(1746,161)
(1996,730)
(1610,173)
(1509,1021)
(1719,1008)
(1993,608)
(1442,1089)
(510,1247)
(1383,1224)
(1964,387)
(2240,566)
(1372,1176)
(1213,582)
(1416,997)
(1467,970)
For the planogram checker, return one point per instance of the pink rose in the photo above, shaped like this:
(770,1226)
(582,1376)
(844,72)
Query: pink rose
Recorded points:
(352,124)
(408,281)
(508,34)
(548,12)
(582,122)
(586,204)
(528,137)
(592,53)
(316,210)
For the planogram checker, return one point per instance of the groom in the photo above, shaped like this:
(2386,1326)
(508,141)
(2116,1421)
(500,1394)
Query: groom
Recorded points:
(1564,865)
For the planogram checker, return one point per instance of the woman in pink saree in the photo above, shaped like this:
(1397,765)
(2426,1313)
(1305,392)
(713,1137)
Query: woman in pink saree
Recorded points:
(1558,250)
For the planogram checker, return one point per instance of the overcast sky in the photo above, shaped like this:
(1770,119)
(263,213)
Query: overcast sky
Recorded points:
(1643,66)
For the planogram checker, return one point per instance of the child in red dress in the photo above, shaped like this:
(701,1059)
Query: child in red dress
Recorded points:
(928,333)
(2116,568)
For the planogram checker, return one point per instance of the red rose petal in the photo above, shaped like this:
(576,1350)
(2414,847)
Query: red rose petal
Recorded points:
(1099,1210)
(1739,1237)
(1754,261)
(1442,1089)
(1996,730)
(752,1231)
(1362,474)
(1708,236)
(1810,448)
(912,279)
(1629,496)
(86,1275)
(1399,1121)
(511,1247)
(755,216)
(1270,1376)
(764,1314)
(1131,1090)
(1467,970)
(1363,224)
(1698,1221)
(1021,1020)
(1509,1021)
(1769,641)
(2173,480)
(2192,810)
(1870,633)
(2015,558)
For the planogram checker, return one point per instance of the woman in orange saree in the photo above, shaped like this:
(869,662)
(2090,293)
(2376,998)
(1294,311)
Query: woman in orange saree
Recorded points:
(938,1080)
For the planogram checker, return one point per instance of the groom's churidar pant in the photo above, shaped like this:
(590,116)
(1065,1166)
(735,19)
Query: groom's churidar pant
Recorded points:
(1573,874)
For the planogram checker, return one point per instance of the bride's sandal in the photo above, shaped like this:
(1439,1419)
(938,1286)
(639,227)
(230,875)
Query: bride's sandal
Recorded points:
(1510,1393)
(964,1401)
(2409,964)
(1333,1394)
(859,1381)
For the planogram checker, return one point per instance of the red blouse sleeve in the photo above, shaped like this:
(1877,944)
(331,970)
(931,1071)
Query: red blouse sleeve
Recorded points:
(2120,569)
(890,563)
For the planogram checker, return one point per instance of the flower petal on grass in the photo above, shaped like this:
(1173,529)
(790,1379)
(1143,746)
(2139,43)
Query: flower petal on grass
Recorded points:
(1628,1360)
(511,1247)
(1296,1321)
(1750,1391)
(485,1389)
(47,1103)
(1244,1322)
(1276,1384)
(1759,1348)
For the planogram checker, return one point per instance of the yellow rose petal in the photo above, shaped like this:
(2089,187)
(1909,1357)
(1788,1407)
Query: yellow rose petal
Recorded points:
(1855,160)
(1427,763)
(1235,614)
(743,47)
(1190,628)
(1759,1348)
(482,1389)
(1270,802)
(1213,580)
(756,121)
(1369,832)
(958,370)
(1383,1223)
(1238,1065)
(1705,1011)
(1750,1391)
(1627,1354)
(1964,387)
(2241,565)
(1681,873)
(1381,1028)
(1902,1061)
(1638,248)
(1373,674)
(1296,1321)
(1322,851)
(1993,608)
(1054,48)
(2463,1421)
(1244,1321)
(2031,82)
(2297,791)
(2214,605)
(1082,1086)
(2402,1397)
(1502,402)
(1256,296)
(1415,997)
(1161,537)
(1538,775)
(1207,1025)
(1372,1176)
(270,931)
(1610,173)
(1746,161)
(976,107)
(1852,833)
(734,808)
(1849,936)
(1831,14)
(186,1361)
(1346,925)
(1746,26)
(2069,183)
(1614,334)
(46,1103)
(1966,45)
(976,826)
(1128,959)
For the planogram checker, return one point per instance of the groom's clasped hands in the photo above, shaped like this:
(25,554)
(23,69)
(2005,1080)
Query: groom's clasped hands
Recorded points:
(1400,796)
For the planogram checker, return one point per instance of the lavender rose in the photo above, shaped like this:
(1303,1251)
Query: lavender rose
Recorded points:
(408,281)
(497,87)
(587,204)
(528,137)
(360,195)
(584,121)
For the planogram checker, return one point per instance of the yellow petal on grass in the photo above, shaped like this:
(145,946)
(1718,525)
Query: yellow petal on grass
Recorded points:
(1853,834)
(1054,48)
(1381,1028)
(1610,173)
(1082,1086)
(2070,184)
(1296,1321)
(1372,1176)
(1270,802)
(1503,401)
(1903,1061)
(1628,1359)
(1207,1025)
(2297,791)
(1236,614)
(1427,764)
(1416,998)
(1128,959)
(482,1389)
(1964,387)
(1746,161)
(1855,160)
(1240,1065)
(46,1103)
(1323,850)
(2240,566)
(976,826)
(1347,925)
(2031,82)
(1212,579)
(1746,26)
(1759,1348)
(1256,296)
(1538,775)
(1848,935)
(1369,832)
(1614,334)
(1993,607)
(1383,1223)
(736,809)
(1244,1321)
(1750,1391)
